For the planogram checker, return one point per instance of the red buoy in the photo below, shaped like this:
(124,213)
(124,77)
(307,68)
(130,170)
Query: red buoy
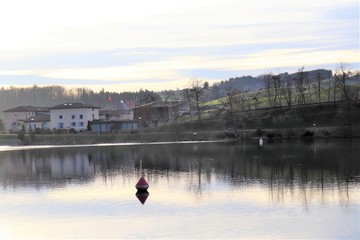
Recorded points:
(142,184)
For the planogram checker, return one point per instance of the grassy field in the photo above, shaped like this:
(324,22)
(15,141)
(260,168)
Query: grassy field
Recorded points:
(260,99)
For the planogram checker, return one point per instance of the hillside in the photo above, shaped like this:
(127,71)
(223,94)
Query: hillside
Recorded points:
(252,84)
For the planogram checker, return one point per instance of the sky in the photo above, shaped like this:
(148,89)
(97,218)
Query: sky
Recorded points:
(157,45)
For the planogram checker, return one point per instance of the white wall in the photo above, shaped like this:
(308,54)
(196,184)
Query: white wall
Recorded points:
(88,114)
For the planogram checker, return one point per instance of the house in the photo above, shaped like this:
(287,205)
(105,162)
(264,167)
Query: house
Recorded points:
(115,120)
(72,116)
(39,121)
(14,118)
(116,114)
(158,114)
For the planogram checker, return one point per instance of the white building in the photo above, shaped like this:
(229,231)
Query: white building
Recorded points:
(72,116)
(14,118)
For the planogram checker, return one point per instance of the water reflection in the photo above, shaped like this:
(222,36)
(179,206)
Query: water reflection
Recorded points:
(301,170)
(142,196)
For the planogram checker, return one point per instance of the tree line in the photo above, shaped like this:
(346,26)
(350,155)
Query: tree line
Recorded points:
(49,96)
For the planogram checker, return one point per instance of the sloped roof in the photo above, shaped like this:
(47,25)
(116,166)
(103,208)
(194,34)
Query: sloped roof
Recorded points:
(161,104)
(39,118)
(73,105)
(28,109)
(114,112)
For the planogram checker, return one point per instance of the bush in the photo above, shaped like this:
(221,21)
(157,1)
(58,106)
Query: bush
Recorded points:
(290,133)
(230,134)
(270,135)
(324,133)
(21,136)
(73,131)
(343,132)
(307,134)
(32,137)
(259,132)
(61,131)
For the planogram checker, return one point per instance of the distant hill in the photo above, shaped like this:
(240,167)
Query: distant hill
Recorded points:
(249,83)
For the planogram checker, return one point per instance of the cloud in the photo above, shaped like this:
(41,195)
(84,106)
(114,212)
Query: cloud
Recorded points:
(135,42)
(177,70)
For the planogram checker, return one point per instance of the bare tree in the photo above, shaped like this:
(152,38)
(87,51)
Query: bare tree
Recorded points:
(329,88)
(169,96)
(300,85)
(238,110)
(342,76)
(318,86)
(186,94)
(268,86)
(357,92)
(334,84)
(196,91)
(230,105)
(229,102)
(309,91)
(287,85)
(256,99)
(276,82)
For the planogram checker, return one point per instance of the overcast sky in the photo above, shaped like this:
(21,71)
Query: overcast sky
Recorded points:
(161,44)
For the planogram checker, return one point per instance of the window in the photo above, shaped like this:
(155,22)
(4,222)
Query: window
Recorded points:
(73,116)
(81,124)
(60,117)
(61,125)
(73,124)
(81,116)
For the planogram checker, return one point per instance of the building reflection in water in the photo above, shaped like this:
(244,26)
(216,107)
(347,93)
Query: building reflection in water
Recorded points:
(305,170)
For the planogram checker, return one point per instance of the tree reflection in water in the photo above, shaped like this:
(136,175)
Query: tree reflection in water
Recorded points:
(311,171)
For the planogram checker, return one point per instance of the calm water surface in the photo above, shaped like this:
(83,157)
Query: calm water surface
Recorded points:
(289,189)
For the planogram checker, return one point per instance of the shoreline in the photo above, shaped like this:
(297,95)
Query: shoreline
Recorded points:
(178,137)
(27,147)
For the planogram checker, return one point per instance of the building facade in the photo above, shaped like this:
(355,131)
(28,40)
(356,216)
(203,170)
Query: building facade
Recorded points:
(40,121)
(72,116)
(116,115)
(14,118)
(158,114)
(104,126)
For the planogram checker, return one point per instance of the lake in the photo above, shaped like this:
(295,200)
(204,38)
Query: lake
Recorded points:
(282,190)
